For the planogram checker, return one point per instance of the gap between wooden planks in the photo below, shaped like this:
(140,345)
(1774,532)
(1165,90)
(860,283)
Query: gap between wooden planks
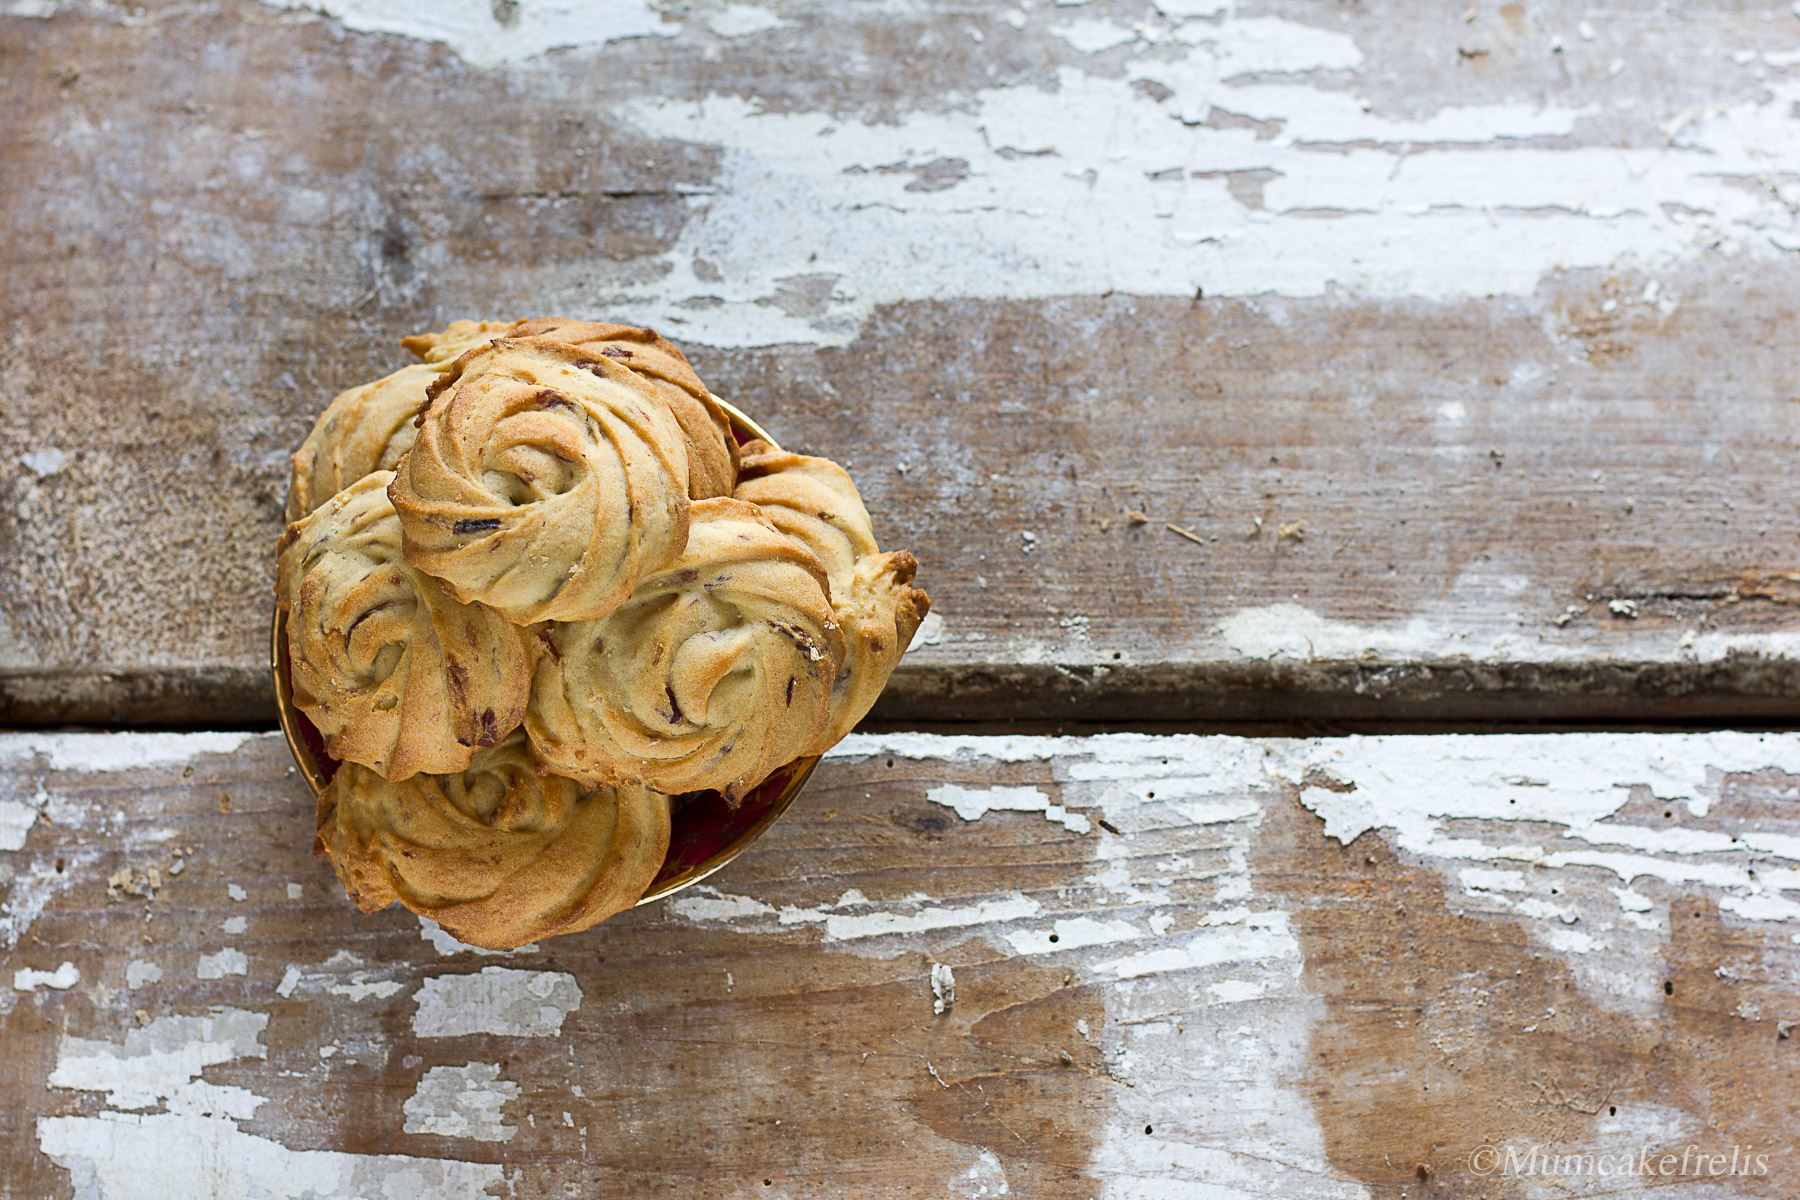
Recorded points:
(1318,968)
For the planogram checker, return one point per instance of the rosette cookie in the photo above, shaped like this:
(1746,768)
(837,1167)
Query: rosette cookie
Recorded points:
(712,450)
(814,501)
(363,430)
(396,674)
(545,482)
(717,671)
(500,854)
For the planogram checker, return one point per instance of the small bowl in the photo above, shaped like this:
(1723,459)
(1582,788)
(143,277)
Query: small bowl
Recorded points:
(705,832)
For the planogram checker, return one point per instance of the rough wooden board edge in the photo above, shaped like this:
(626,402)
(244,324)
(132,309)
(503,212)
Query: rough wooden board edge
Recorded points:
(1742,690)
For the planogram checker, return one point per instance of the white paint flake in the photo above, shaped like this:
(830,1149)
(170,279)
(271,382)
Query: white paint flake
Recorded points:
(25,979)
(46,462)
(854,918)
(1075,933)
(89,753)
(743,20)
(342,975)
(1478,619)
(446,946)
(703,903)
(496,1000)
(1093,37)
(99,753)
(139,973)
(986,1178)
(943,988)
(929,633)
(16,820)
(193,1144)
(971,804)
(229,961)
(477,32)
(462,1102)
(1095,186)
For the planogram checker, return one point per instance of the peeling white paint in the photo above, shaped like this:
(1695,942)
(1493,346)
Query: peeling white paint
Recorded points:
(46,462)
(929,633)
(446,946)
(1260,937)
(743,20)
(16,820)
(1076,933)
(32,889)
(498,1000)
(477,34)
(986,1178)
(89,753)
(704,903)
(160,1060)
(855,919)
(943,988)
(1464,623)
(139,973)
(342,975)
(1092,36)
(971,804)
(100,753)
(462,1102)
(25,979)
(1096,187)
(229,961)
(1575,782)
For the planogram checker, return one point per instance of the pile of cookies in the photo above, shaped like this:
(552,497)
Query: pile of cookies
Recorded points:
(534,588)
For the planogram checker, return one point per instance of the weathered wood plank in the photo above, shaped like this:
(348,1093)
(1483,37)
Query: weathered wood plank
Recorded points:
(1182,966)
(1487,410)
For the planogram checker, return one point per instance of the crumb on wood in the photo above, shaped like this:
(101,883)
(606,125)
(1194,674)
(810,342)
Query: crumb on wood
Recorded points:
(224,802)
(1134,517)
(1189,534)
(1292,531)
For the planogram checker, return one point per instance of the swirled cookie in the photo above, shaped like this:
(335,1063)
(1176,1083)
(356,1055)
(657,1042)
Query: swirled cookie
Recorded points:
(713,451)
(711,447)
(814,501)
(396,674)
(499,854)
(545,481)
(717,670)
(363,430)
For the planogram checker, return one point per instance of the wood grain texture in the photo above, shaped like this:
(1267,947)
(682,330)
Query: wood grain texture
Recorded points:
(1181,966)
(1460,347)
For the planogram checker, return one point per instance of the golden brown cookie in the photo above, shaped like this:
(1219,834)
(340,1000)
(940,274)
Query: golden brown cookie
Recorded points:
(717,671)
(713,450)
(500,854)
(363,430)
(396,674)
(545,481)
(814,501)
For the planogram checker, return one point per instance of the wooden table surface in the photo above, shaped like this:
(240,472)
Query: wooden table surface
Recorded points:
(1445,354)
